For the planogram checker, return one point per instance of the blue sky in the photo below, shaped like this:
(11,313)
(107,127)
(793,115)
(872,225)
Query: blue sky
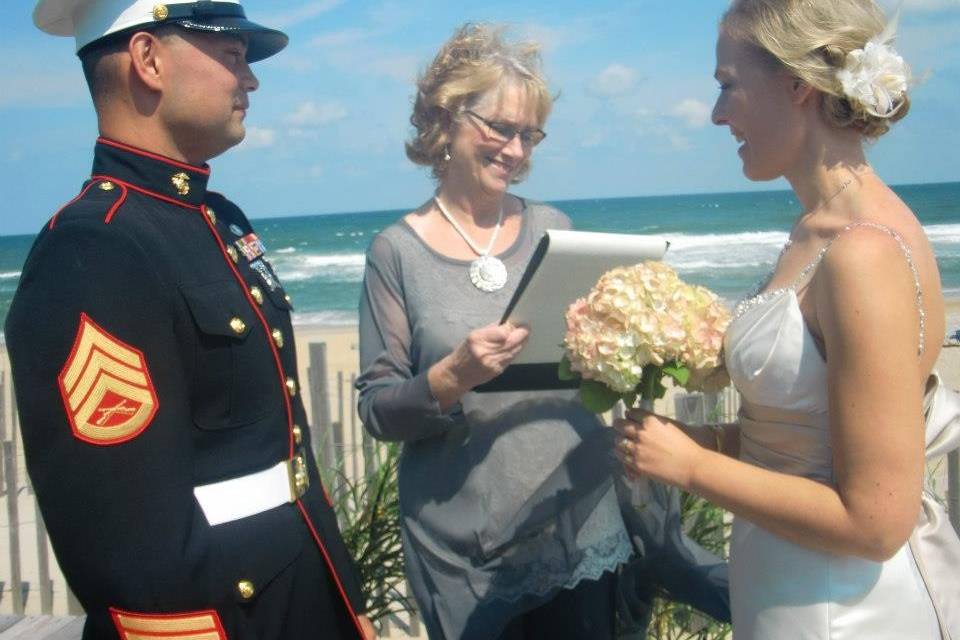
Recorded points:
(326,129)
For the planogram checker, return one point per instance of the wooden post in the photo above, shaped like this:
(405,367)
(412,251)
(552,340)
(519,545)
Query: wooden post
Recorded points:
(320,405)
(43,565)
(13,518)
(953,488)
(338,445)
(355,449)
(3,406)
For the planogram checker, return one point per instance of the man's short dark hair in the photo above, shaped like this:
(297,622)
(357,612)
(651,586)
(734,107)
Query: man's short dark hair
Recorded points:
(99,77)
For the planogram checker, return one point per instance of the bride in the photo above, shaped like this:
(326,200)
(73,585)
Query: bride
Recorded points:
(824,471)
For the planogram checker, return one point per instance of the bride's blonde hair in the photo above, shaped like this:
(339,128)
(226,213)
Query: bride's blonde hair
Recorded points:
(811,39)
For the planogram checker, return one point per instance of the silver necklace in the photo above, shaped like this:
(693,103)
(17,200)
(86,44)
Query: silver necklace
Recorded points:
(789,243)
(487,273)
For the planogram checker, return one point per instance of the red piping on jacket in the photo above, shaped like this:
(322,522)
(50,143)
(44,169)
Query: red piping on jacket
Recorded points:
(116,205)
(289,408)
(333,571)
(147,192)
(147,154)
(53,220)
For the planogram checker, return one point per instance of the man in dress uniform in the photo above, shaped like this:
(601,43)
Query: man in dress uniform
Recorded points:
(153,355)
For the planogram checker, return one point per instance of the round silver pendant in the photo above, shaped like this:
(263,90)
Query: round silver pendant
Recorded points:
(488,273)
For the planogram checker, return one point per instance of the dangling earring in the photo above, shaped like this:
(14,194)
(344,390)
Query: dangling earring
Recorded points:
(446,153)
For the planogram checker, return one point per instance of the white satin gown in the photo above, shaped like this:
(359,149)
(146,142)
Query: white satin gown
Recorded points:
(778,589)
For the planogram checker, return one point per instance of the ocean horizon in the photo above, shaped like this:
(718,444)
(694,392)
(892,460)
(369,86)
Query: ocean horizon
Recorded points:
(725,241)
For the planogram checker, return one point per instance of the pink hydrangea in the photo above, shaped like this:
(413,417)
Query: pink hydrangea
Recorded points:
(642,315)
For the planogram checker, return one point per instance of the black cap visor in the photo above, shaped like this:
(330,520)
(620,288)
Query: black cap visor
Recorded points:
(261,41)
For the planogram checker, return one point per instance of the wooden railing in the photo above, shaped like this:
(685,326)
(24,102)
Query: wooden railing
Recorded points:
(32,583)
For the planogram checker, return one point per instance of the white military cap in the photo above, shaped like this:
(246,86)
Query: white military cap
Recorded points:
(90,21)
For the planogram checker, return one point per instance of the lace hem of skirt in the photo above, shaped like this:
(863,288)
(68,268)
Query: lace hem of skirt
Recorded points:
(549,574)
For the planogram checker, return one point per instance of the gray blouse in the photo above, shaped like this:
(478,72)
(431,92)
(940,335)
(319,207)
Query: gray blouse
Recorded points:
(507,497)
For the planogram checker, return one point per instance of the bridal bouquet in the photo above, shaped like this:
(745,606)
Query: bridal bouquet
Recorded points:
(638,325)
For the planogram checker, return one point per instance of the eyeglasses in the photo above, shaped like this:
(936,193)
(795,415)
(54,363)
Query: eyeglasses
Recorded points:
(505,132)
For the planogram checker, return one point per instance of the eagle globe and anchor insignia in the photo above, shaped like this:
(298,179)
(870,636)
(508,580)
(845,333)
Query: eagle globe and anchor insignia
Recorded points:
(106,387)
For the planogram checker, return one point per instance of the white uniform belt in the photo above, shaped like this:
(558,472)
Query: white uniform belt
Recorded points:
(248,495)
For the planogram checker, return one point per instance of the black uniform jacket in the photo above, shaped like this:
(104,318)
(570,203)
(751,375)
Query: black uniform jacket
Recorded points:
(152,352)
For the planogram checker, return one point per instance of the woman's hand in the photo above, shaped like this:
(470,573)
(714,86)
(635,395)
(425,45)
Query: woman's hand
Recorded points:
(654,446)
(481,357)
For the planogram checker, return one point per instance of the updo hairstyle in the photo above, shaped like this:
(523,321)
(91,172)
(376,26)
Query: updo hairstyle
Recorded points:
(812,39)
(474,61)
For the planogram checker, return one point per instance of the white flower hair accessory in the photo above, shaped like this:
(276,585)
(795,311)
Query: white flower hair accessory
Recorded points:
(876,76)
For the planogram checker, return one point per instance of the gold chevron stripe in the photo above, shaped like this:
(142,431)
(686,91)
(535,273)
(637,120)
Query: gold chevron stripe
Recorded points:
(90,337)
(99,364)
(209,635)
(204,626)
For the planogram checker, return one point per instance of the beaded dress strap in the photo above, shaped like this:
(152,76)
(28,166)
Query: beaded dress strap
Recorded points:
(907,254)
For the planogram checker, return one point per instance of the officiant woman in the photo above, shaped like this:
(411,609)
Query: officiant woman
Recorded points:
(501,539)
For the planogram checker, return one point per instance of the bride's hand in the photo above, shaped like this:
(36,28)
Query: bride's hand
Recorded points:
(654,446)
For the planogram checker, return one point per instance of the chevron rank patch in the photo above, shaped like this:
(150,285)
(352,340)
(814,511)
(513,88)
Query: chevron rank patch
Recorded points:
(106,388)
(196,625)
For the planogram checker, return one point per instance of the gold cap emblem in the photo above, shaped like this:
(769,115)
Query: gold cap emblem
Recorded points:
(181,182)
(160,12)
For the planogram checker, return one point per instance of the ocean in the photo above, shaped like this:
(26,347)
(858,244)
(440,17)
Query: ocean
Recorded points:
(725,241)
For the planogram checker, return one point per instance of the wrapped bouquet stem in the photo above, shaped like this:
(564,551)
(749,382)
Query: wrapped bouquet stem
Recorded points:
(638,326)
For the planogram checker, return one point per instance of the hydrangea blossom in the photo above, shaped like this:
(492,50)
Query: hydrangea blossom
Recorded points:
(644,314)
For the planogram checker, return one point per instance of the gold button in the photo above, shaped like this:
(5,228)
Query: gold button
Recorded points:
(180,181)
(107,186)
(245,589)
(211,215)
(256,294)
(292,387)
(297,435)
(238,325)
(233,254)
(288,299)
(277,338)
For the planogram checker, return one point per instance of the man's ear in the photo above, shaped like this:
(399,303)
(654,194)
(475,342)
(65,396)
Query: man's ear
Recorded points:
(146,61)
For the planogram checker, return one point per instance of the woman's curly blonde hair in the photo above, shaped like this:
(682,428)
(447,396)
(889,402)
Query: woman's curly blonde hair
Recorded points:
(475,60)
(811,39)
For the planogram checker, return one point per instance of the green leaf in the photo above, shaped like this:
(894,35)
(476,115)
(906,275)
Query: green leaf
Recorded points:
(597,397)
(678,372)
(565,372)
(629,399)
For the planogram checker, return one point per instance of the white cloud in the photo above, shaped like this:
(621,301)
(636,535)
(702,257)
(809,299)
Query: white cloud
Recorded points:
(44,88)
(301,14)
(920,5)
(615,80)
(399,67)
(313,114)
(258,138)
(340,38)
(694,113)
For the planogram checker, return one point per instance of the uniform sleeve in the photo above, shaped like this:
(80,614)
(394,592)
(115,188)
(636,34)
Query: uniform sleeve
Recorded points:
(104,404)
(395,402)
